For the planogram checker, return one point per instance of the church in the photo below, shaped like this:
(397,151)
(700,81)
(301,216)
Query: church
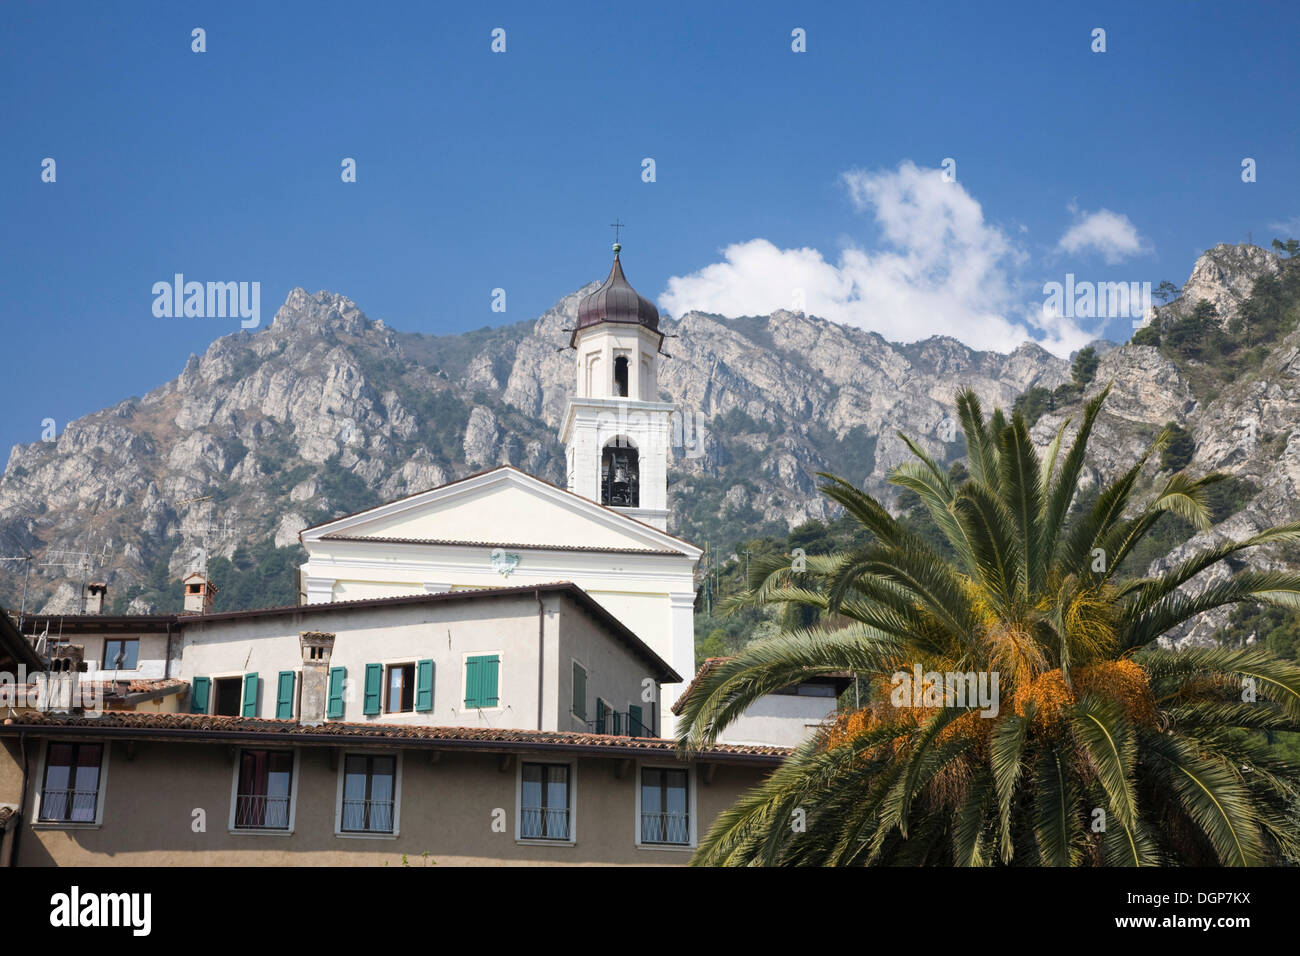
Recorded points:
(606,532)
(487,672)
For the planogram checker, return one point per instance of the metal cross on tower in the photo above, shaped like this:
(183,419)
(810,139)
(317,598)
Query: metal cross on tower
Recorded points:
(618,225)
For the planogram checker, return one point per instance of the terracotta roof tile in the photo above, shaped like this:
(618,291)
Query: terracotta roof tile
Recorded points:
(200,726)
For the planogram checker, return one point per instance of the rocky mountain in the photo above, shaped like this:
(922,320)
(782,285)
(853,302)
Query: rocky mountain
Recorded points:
(327,410)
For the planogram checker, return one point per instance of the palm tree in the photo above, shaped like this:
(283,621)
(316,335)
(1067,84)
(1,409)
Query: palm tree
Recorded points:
(1105,749)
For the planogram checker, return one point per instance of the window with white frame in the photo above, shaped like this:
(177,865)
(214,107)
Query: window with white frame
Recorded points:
(545,799)
(369,794)
(264,791)
(70,790)
(121,654)
(665,806)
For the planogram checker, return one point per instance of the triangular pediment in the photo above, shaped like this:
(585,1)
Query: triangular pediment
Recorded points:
(502,506)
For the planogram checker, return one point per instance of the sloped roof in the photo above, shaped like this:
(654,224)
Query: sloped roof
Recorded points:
(207,727)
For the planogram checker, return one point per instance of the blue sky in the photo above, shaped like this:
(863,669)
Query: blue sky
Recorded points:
(776,173)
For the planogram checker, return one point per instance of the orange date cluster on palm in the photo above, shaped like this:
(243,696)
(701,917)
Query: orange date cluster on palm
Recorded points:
(1048,696)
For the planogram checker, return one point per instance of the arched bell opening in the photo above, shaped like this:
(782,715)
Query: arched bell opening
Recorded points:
(620,474)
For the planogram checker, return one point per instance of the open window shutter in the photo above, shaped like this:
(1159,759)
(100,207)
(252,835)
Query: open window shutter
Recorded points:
(250,695)
(618,723)
(473,668)
(334,708)
(490,667)
(199,695)
(284,696)
(374,685)
(424,685)
(600,716)
(635,727)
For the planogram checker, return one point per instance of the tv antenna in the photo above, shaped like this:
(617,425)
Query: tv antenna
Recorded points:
(27,573)
(86,561)
(206,531)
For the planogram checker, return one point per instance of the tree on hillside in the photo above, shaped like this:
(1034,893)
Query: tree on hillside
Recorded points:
(1104,748)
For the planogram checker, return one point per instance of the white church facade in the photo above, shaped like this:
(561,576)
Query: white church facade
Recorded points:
(606,533)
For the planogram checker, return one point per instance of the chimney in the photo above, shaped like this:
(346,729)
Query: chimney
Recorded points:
(96,595)
(317,646)
(62,693)
(199,593)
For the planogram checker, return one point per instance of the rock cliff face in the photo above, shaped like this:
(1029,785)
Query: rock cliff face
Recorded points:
(327,411)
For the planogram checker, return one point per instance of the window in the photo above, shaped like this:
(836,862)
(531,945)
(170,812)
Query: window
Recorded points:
(121,655)
(665,807)
(264,790)
(369,789)
(544,802)
(401,688)
(481,674)
(579,691)
(228,696)
(620,376)
(70,791)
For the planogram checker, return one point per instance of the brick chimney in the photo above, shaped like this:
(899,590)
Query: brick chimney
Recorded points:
(317,646)
(96,596)
(199,593)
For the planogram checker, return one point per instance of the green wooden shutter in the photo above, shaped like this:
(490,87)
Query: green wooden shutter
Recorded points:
(199,689)
(334,709)
(491,665)
(250,695)
(472,681)
(284,696)
(424,685)
(374,688)
(600,716)
(635,727)
(481,680)
(618,724)
(579,690)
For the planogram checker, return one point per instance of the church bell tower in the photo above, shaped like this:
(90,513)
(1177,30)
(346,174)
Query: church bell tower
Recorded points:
(616,431)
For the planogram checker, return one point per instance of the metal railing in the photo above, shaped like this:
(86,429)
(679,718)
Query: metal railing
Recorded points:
(260,812)
(368,816)
(544,823)
(619,723)
(77,806)
(673,828)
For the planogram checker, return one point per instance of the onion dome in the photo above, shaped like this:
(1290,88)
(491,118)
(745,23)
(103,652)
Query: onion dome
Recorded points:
(616,301)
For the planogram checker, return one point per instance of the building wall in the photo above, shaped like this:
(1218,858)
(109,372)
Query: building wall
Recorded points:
(447,810)
(447,633)
(151,660)
(779,720)
(612,675)
(653,595)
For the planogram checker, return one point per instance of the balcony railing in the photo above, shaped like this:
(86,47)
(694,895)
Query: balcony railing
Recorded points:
(544,823)
(368,816)
(669,828)
(77,806)
(620,724)
(260,812)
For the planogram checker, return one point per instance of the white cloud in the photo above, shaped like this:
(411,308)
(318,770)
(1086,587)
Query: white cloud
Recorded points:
(1288,229)
(944,271)
(1109,233)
